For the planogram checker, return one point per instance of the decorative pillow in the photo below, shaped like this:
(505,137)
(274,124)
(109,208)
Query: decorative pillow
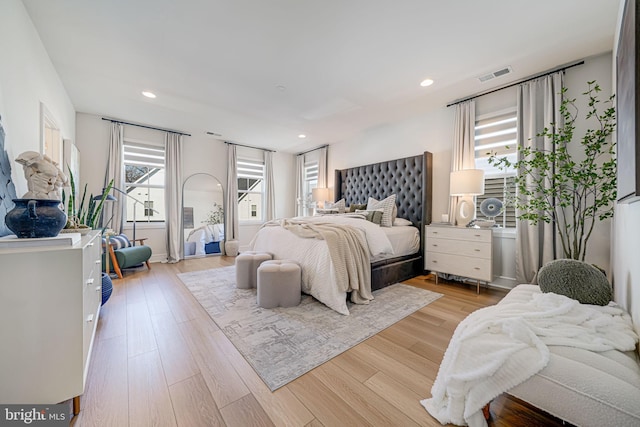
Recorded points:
(575,279)
(326,211)
(374,216)
(387,205)
(357,207)
(340,205)
(401,222)
(117,242)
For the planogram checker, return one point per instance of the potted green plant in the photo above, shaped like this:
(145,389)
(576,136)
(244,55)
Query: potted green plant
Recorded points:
(215,216)
(79,216)
(569,187)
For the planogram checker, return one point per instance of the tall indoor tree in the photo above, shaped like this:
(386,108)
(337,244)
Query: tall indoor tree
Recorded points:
(571,186)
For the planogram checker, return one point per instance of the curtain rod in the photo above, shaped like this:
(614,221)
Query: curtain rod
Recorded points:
(145,126)
(528,79)
(249,146)
(313,149)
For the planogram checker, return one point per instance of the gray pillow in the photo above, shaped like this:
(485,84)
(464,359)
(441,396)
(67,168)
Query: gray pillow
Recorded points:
(374,216)
(575,279)
(355,206)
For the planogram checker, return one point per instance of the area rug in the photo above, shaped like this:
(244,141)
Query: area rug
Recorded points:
(283,343)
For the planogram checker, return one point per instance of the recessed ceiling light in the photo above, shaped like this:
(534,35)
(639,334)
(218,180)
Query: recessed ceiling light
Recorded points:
(148,94)
(426,82)
(302,136)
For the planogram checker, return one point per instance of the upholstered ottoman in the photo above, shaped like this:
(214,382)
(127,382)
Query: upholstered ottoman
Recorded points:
(247,264)
(279,284)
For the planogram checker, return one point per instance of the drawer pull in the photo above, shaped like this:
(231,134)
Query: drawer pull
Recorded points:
(98,288)
(98,261)
(435,246)
(476,268)
(90,281)
(477,235)
(477,250)
(90,244)
(90,318)
(434,261)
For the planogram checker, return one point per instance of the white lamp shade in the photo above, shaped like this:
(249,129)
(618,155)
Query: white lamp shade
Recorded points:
(467,182)
(320,194)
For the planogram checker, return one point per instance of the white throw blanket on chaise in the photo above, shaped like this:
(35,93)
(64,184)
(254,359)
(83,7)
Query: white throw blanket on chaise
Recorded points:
(499,347)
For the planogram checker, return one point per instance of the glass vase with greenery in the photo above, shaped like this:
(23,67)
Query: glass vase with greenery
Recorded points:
(215,216)
(571,186)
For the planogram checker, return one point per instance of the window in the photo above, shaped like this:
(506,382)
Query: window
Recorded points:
(496,134)
(144,181)
(250,190)
(310,177)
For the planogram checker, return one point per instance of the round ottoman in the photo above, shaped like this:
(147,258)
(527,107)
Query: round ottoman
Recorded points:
(279,284)
(247,264)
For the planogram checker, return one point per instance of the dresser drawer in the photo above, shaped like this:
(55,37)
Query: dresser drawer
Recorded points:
(459,247)
(457,233)
(474,268)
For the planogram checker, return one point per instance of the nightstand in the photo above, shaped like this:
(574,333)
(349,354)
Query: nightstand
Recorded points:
(466,252)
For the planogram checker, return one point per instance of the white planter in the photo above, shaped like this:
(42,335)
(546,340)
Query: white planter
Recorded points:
(231,247)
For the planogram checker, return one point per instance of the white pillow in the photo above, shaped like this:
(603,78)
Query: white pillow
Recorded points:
(399,222)
(340,205)
(387,206)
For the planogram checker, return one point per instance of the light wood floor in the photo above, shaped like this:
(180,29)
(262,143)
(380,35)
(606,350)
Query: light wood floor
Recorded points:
(159,360)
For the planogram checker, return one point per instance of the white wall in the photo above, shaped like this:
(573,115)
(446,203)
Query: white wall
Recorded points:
(201,154)
(27,78)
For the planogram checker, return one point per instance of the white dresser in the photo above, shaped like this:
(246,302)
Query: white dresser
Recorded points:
(49,303)
(466,252)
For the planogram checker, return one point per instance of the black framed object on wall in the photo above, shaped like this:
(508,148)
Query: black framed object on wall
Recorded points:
(628,104)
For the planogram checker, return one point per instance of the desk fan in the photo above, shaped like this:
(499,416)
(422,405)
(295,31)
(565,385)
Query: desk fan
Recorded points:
(490,208)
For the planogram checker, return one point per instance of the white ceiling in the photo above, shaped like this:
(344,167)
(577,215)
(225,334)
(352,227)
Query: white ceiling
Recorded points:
(346,65)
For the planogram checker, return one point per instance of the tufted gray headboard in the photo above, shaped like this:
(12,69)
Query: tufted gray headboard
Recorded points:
(409,178)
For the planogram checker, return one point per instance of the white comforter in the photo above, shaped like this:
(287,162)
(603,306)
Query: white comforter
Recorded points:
(499,347)
(206,234)
(318,274)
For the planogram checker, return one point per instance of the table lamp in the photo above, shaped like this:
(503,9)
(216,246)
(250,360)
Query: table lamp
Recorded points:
(319,195)
(466,183)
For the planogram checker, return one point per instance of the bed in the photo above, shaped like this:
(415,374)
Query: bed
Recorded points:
(410,178)
(204,240)
(395,253)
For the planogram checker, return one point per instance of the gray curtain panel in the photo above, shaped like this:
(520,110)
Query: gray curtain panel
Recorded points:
(538,105)
(463,152)
(231,211)
(270,202)
(322,168)
(173,196)
(113,212)
(300,185)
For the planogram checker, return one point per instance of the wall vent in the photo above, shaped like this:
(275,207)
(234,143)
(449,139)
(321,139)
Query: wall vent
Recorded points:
(503,71)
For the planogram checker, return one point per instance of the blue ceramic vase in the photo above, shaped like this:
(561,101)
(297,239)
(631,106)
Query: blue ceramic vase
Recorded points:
(32,218)
(107,287)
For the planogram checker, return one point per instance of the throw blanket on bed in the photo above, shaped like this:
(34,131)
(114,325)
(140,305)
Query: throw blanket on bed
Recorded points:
(348,250)
(499,347)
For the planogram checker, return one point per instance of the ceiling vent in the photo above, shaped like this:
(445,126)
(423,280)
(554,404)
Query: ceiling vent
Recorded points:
(498,73)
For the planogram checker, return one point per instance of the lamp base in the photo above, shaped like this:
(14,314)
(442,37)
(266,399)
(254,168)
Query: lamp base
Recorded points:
(465,211)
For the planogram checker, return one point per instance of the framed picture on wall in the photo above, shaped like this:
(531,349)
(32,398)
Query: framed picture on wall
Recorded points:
(627,105)
(187,217)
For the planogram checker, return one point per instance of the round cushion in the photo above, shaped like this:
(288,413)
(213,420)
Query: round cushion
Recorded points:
(575,279)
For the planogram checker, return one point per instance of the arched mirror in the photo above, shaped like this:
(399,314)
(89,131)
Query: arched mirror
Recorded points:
(203,215)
